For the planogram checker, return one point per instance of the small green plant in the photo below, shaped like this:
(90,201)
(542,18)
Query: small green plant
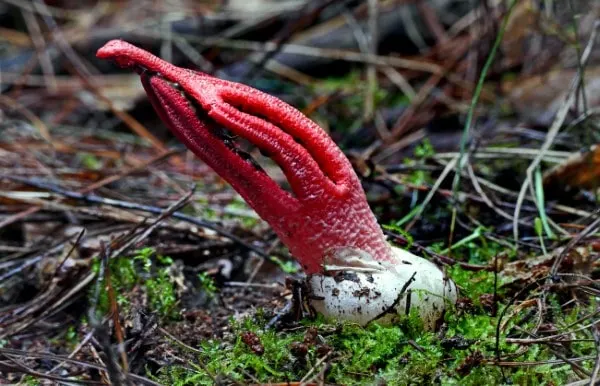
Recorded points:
(71,335)
(394,355)
(147,270)
(424,149)
(30,380)
(90,161)
(407,236)
(144,256)
(404,354)
(288,267)
(162,296)
(208,284)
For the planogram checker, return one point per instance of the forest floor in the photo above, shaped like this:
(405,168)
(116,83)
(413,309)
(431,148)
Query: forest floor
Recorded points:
(126,260)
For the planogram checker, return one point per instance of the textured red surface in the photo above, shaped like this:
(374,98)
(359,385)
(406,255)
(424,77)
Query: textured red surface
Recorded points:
(327,209)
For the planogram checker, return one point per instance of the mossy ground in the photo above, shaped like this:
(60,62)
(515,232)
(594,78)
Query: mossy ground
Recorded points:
(398,355)
(476,96)
(472,345)
(462,352)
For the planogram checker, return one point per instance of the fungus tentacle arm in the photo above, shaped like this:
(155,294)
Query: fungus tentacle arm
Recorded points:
(328,209)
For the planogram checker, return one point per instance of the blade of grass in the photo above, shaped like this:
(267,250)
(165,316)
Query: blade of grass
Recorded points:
(477,233)
(539,194)
(539,231)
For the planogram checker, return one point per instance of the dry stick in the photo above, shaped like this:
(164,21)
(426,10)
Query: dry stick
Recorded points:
(473,16)
(150,209)
(17,39)
(329,53)
(307,15)
(391,308)
(574,365)
(18,367)
(584,233)
(115,372)
(18,216)
(115,311)
(35,121)
(110,213)
(367,43)
(54,307)
(96,185)
(596,370)
(499,324)
(260,60)
(193,55)
(142,167)
(555,337)
(190,348)
(54,248)
(91,198)
(580,65)
(28,309)
(116,375)
(425,91)
(61,13)
(114,308)
(166,213)
(509,152)
(39,303)
(561,115)
(391,149)
(83,73)
(319,362)
(399,81)
(81,345)
(37,39)
(448,193)
(432,192)
(96,355)
(432,21)
(579,383)
(471,113)
(58,358)
(483,195)
(80,285)
(510,193)
(537,363)
(64,259)
(25,71)
(591,315)
(373,40)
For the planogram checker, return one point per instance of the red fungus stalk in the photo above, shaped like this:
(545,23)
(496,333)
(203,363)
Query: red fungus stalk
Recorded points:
(325,222)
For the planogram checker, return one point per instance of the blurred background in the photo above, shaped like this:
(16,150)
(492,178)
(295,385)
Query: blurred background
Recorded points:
(469,121)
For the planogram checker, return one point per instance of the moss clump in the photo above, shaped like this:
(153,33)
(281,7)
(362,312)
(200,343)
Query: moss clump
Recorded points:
(463,353)
(147,270)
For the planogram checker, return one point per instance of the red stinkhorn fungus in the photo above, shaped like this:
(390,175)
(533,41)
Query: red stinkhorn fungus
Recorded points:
(326,222)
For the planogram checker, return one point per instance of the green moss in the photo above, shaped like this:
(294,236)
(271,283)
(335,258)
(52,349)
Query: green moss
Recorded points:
(397,355)
(236,361)
(30,380)
(474,283)
(208,284)
(424,149)
(89,161)
(404,354)
(162,296)
(145,269)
